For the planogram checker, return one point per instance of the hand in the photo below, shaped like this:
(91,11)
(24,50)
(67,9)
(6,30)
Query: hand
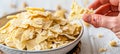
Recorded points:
(106,15)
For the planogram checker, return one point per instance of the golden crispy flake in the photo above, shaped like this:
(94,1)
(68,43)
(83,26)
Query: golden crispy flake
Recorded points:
(77,30)
(3,37)
(37,29)
(31,44)
(78,11)
(35,9)
(51,34)
(39,38)
(87,24)
(28,34)
(44,33)
(44,45)
(7,28)
(4,27)
(9,42)
(37,22)
(11,17)
(36,14)
(68,36)
(70,29)
(113,43)
(24,4)
(100,35)
(102,50)
(47,24)
(19,23)
(61,21)
(56,28)
(60,12)
(19,45)
(17,33)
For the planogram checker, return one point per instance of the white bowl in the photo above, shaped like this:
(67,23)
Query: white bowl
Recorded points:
(60,50)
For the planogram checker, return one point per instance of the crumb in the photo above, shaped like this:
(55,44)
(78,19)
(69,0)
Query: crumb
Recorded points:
(113,43)
(100,35)
(85,3)
(5,13)
(60,12)
(59,7)
(102,50)
(13,5)
(20,9)
(87,24)
(24,4)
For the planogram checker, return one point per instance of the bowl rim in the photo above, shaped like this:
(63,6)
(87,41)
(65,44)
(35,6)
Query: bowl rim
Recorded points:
(47,50)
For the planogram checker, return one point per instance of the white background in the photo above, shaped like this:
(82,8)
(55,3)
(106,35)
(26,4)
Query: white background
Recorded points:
(90,41)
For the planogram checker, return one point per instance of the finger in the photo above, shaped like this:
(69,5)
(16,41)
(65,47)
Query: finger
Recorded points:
(118,34)
(100,20)
(116,27)
(103,9)
(112,13)
(95,5)
(119,6)
(106,8)
(104,1)
(98,3)
(114,2)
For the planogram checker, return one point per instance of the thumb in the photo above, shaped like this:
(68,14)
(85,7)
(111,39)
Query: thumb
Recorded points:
(99,20)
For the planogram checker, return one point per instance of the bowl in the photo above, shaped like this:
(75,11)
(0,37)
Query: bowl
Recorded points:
(60,50)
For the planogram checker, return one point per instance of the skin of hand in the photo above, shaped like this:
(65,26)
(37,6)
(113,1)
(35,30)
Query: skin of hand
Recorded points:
(106,15)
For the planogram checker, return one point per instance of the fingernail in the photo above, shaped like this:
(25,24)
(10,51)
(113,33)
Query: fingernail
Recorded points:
(87,18)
